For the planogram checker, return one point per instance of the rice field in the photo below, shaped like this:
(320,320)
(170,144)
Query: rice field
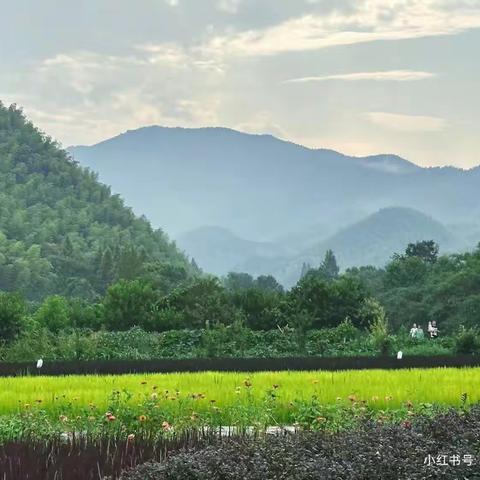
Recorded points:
(381,389)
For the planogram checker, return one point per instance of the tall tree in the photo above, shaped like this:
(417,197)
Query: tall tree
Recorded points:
(306,267)
(329,267)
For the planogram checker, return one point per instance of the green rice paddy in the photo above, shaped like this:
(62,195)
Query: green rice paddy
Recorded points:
(381,389)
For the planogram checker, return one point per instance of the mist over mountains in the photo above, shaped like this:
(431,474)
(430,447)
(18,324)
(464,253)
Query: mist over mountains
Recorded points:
(254,202)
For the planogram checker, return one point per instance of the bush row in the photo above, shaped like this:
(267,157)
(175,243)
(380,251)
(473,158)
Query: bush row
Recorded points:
(222,341)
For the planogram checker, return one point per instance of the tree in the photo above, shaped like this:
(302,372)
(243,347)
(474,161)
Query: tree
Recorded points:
(427,250)
(268,283)
(54,313)
(327,302)
(306,267)
(238,281)
(197,304)
(260,307)
(329,267)
(12,313)
(130,303)
(405,271)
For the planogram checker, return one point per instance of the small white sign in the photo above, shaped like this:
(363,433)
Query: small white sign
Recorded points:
(399,355)
(39,363)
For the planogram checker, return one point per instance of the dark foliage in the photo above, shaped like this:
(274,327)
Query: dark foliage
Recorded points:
(371,452)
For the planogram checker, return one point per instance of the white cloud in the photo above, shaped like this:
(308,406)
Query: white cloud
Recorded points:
(229,6)
(390,75)
(97,96)
(261,123)
(365,21)
(172,3)
(407,123)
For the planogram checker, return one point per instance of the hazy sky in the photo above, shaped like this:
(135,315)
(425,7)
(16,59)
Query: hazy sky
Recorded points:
(358,76)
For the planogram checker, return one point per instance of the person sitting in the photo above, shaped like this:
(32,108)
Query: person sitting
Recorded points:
(413,331)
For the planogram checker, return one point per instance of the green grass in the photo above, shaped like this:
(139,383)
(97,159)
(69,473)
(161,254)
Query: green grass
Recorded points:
(73,393)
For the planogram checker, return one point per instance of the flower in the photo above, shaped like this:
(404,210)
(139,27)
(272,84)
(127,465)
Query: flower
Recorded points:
(142,418)
(374,398)
(194,416)
(166,426)
(247,382)
(154,396)
(63,418)
(111,418)
(352,398)
(143,383)
(321,419)
(388,398)
(275,386)
(131,437)
(407,424)
(409,404)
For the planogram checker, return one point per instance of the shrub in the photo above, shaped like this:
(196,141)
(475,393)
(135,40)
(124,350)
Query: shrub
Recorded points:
(379,327)
(467,341)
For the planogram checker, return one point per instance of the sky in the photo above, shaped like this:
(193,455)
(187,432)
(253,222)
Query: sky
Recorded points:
(358,76)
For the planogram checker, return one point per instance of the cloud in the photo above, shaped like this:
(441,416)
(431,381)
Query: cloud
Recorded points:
(390,75)
(262,123)
(229,6)
(407,123)
(97,95)
(363,21)
(172,3)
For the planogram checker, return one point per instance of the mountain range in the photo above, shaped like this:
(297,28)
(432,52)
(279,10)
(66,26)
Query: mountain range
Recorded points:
(234,200)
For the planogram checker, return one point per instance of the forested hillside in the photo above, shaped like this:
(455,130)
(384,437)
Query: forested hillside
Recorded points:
(61,231)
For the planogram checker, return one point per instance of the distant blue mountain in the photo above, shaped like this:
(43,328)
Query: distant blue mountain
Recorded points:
(282,196)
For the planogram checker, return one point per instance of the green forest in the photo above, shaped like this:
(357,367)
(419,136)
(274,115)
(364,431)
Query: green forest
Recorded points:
(82,277)
(63,232)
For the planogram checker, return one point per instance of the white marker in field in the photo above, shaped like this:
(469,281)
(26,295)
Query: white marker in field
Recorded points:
(399,355)
(39,363)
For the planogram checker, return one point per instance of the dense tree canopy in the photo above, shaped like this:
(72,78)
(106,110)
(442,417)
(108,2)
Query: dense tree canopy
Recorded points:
(63,232)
